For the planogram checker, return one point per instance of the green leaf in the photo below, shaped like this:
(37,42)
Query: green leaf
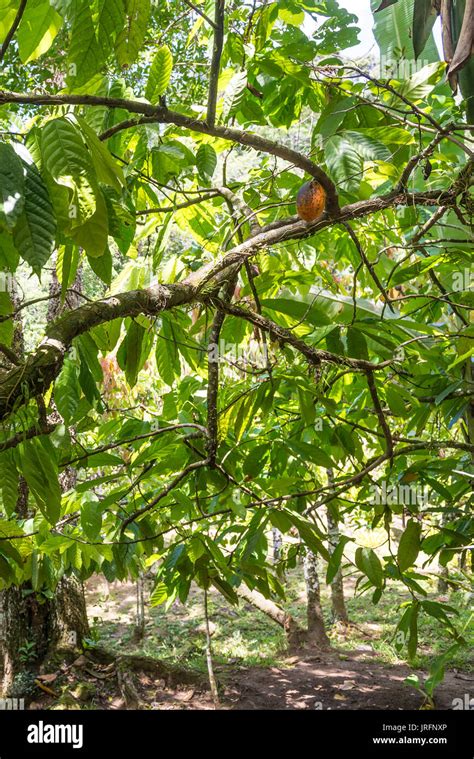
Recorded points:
(206,160)
(369,563)
(310,453)
(12,187)
(93,234)
(62,149)
(334,562)
(85,55)
(344,162)
(67,392)
(130,354)
(234,93)
(393,31)
(159,594)
(160,73)
(424,16)
(91,519)
(131,37)
(38,28)
(9,479)
(39,468)
(167,354)
(309,535)
(110,21)
(35,231)
(409,545)
(395,402)
(106,168)
(356,344)
(367,147)
(102,265)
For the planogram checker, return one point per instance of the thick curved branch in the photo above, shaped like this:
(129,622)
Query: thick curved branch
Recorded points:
(43,366)
(34,377)
(162,115)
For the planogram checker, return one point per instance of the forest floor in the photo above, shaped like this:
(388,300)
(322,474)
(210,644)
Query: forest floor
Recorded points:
(252,663)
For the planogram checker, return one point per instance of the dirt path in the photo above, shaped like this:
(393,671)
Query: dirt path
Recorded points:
(352,683)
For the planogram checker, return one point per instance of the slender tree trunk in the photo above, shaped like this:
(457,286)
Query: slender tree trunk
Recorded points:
(316,634)
(469,374)
(210,665)
(338,602)
(139,632)
(277,544)
(339,611)
(443,573)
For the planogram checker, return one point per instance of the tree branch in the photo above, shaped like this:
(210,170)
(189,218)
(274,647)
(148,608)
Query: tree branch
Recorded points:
(314,355)
(12,30)
(171,485)
(219,15)
(380,415)
(162,115)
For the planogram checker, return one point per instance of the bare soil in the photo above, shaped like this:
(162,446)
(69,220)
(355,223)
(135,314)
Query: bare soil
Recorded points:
(337,680)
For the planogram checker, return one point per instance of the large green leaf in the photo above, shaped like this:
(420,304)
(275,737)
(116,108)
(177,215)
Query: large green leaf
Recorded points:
(345,162)
(38,28)
(106,168)
(85,55)
(206,160)
(9,479)
(67,392)
(39,468)
(160,73)
(369,563)
(130,38)
(91,518)
(12,187)
(110,21)
(424,16)
(35,231)
(409,545)
(393,31)
(92,235)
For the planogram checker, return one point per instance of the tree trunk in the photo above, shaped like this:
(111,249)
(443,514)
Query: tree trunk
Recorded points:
(316,634)
(32,625)
(293,631)
(443,573)
(339,611)
(277,544)
(139,631)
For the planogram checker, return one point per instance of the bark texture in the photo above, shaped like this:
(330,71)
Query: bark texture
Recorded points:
(32,625)
(293,631)
(316,633)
